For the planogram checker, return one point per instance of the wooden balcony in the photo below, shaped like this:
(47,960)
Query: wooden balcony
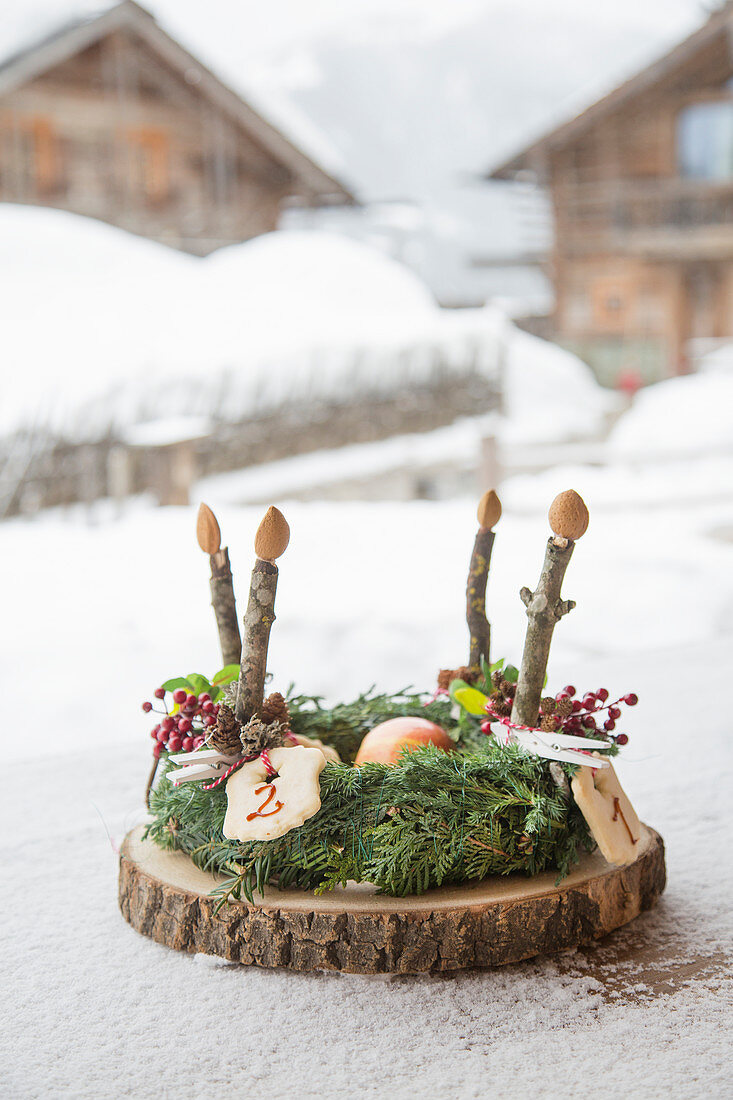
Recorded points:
(666,219)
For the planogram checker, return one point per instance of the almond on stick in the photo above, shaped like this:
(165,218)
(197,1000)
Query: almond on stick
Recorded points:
(208,534)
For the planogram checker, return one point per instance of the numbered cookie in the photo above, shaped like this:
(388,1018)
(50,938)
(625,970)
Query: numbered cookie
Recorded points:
(313,743)
(611,818)
(262,808)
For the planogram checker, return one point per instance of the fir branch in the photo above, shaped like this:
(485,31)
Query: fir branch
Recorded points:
(436,818)
(344,725)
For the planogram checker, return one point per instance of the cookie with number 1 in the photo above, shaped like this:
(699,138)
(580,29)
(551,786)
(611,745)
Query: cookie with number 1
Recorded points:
(611,818)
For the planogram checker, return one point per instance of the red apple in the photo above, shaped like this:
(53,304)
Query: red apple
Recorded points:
(385,743)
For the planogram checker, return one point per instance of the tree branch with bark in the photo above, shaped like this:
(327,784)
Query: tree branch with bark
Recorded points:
(568,518)
(479,627)
(271,541)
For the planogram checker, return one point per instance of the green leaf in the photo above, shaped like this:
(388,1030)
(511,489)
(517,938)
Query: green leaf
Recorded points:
(454,686)
(511,674)
(198,682)
(226,675)
(177,682)
(471,700)
(497,665)
(486,669)
(215,692)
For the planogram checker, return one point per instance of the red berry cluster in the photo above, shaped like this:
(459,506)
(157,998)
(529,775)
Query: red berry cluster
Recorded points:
(567,713)
(587,714)
(184,730)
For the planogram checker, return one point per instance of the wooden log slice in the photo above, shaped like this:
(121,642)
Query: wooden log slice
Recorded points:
(489,923)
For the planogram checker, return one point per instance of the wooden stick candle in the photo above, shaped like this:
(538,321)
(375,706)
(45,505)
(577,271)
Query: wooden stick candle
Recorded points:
(271,540)
(208,534)
(568,517)
(479,628)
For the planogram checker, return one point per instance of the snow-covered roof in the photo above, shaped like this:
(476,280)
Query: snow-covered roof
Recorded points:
(22,36)
(719,22)
(29,47)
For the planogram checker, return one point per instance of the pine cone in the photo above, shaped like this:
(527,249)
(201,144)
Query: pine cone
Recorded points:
(258,735)
(507,689)
(470,675)
(547,705)
(500,705)
(564,707)
(549,723)
(274,709)
(229,695)
(447,675)
(225,734)
(497,678)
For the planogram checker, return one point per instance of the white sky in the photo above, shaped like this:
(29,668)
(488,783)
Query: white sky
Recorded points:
(252,28)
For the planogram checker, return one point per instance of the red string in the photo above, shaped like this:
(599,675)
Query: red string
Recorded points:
(508,722)
(227,773)
(271,772)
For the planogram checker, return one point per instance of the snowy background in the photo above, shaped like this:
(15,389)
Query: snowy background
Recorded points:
(291,315)
(101,603)
(412,101)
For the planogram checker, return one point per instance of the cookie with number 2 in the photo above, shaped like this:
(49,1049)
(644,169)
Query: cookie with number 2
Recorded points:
(258,809)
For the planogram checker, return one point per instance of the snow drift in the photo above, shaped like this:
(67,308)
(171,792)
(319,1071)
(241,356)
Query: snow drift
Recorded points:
(102,330)
(692,415)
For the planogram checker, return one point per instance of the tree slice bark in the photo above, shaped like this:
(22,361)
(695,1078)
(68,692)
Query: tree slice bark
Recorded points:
(258,620)
(500,920)
(225,607)
(544,611)
(479,627)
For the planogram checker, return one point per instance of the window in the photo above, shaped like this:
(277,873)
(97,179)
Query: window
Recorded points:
(47,159)
(610,298)
(705,141)
(31,158)
(149,163)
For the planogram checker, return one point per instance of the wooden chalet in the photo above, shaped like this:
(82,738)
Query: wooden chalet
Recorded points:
(111,118)
(642,194)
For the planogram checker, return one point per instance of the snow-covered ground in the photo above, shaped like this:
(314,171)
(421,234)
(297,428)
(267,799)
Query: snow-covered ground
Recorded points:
(132,330)
(645,462)
(98,607)
(692,415)
(457,446)
(99,328)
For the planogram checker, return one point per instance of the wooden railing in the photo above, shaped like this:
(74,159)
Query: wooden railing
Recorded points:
(662,214)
